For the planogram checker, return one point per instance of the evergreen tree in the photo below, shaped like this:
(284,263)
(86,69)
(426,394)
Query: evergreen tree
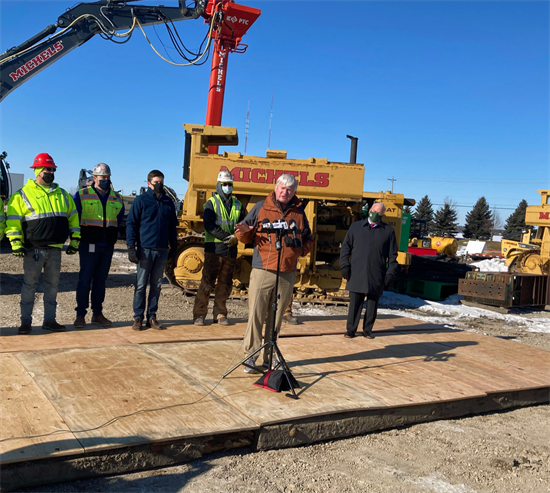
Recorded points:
(407,210)
(479,221)
(515,223)
(424,212)
(445,220)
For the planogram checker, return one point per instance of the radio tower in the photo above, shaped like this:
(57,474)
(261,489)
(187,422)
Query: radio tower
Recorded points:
(246,126)
(270,118)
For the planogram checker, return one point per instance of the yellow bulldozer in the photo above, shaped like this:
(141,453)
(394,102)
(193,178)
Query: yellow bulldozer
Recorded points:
(527,282)
(531,255)
(332,194)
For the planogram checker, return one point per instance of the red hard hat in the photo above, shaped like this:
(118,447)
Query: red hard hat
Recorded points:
(43,160)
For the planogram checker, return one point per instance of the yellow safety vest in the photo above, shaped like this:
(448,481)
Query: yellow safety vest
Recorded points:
(224,220)
(93,217)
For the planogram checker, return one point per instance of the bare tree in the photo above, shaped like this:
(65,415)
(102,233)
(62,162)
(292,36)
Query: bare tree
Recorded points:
(497,223)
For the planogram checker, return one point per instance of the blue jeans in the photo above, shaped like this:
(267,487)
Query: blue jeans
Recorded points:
(94,269)
(34,261)
(150,270)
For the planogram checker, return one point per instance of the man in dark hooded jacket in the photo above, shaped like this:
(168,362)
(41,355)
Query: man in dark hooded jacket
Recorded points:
(221,212)
(371,244)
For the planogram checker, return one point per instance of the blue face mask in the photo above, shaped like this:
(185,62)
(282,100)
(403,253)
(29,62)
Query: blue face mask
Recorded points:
(227,189)
(104,184)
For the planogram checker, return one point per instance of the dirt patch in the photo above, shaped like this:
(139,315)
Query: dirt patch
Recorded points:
(499,452)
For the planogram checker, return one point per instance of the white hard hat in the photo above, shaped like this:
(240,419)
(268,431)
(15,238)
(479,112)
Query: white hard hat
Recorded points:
(225,176)
(101,169)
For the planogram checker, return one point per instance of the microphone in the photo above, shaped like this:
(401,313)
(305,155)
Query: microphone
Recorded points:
(267,225)
(293,227)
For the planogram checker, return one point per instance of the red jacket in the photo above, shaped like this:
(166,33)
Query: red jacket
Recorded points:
(265,255)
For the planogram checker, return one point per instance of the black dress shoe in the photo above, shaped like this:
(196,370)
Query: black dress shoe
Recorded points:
(368,336)
(349,335)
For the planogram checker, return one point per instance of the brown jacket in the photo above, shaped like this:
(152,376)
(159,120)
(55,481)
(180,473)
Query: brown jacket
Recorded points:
(265,256)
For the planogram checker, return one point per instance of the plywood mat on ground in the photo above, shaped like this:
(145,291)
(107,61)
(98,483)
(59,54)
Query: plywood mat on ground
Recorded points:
(208,361)
(89,387)
(177,331)
(391,375)
(517,361)
(26,412)
(40,339)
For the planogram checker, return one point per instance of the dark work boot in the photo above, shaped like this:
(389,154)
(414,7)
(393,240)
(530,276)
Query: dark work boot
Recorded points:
(138,324)
(53,326)
(25,329)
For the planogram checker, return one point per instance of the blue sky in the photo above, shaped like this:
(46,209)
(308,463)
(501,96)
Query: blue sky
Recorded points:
(449,98)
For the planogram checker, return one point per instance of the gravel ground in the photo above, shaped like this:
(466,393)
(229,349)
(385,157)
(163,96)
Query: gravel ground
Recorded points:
(499,452)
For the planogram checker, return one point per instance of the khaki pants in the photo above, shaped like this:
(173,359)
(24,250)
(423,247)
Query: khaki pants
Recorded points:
(217,276)
(261,292)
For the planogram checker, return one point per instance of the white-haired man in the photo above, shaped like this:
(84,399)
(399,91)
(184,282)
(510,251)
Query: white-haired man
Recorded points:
(280,204)
(221,212)
(371,245)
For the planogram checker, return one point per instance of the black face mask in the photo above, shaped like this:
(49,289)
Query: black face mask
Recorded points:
(104,184)
(158,187)
(48,177)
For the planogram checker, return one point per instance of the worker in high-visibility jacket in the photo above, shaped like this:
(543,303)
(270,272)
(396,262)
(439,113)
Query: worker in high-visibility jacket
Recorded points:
(101,212)
(221,212)
(40,218)
(2,220)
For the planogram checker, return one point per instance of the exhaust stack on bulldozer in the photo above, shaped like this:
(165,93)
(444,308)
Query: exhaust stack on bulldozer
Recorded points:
(332,193)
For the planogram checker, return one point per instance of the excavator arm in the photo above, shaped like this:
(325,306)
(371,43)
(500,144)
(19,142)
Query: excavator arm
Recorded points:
(78,25)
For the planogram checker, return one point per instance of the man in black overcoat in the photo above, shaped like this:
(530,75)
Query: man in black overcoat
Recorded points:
(368,260)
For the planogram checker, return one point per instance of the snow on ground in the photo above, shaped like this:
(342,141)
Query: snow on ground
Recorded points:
(491,265)
(439,312)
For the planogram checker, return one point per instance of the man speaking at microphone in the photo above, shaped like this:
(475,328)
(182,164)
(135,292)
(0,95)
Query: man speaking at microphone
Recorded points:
(282,204)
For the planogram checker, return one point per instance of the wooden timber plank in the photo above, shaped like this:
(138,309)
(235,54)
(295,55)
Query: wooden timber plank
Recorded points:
(91,386)
(40,339)
(395,378)
(530,363)
(318,395)
(25,412)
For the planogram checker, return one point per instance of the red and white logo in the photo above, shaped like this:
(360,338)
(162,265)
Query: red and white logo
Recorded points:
(270,176)
(38,60)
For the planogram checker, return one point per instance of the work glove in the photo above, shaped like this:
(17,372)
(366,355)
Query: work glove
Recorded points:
(346,272)
(132,255)
(18,249)
(388,281)
(73,247)
(231,240)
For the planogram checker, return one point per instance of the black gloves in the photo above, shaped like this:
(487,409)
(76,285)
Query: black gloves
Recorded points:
(71,250)
(18,251)
(346,272)
(132,255)
(388,281)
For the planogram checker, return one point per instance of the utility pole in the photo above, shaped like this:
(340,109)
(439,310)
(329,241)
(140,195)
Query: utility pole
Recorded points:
(270,119)
(246,126)
(392,179)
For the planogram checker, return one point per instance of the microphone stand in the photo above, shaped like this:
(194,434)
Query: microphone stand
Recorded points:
(271,344)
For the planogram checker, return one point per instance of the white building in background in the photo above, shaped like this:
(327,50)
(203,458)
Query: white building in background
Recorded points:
(17,182)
